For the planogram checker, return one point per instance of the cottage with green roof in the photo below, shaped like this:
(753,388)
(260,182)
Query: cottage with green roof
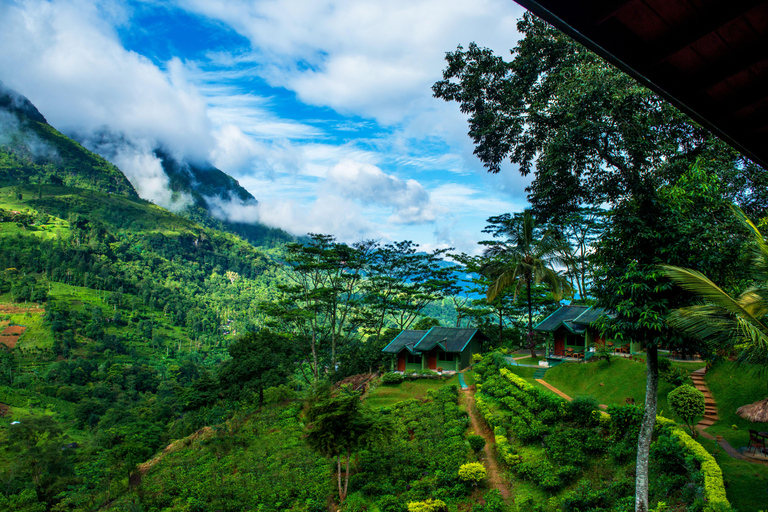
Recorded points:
(448,348)
(573,334)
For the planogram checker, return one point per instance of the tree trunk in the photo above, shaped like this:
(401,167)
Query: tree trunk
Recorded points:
(346,479)
(501,327)
(338,476)
(531,345)
(646,430)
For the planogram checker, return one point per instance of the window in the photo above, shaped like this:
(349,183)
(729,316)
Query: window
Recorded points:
(572,339)
(444,357)
(414,359)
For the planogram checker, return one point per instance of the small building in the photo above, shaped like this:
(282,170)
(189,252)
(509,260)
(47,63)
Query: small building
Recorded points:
(449,348)
(573,335)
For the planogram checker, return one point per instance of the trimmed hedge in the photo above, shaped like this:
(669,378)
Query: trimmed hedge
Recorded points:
(714,488)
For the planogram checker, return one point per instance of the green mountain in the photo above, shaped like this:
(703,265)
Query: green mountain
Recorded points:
(33,152)
(213,192)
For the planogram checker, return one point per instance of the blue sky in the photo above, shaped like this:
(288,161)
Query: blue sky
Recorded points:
(322,110)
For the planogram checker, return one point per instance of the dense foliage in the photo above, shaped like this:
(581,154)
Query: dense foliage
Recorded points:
(580,456)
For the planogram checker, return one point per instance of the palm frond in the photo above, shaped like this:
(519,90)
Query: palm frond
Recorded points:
(724,320)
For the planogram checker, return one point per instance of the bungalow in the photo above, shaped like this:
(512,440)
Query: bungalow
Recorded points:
(449,348)
(573,334)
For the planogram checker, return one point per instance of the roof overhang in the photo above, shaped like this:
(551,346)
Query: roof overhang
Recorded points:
(707,58)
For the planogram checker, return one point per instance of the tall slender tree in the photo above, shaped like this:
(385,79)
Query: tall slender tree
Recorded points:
(525,257)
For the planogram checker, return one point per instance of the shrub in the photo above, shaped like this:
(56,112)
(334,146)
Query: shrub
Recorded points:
(390,503)
(714,490)
(472,472)
(278,394)
(687,402)
(427,506)
(355,503)
(477,443)
(493,503)
(392,378)
(581,409)
(584,497)
(625,420)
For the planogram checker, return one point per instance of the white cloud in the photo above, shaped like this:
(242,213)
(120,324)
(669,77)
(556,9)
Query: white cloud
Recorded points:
(240,155)
(368,184)
(145,172)
(67,59)
(375,61)
(328,214)
(371,58)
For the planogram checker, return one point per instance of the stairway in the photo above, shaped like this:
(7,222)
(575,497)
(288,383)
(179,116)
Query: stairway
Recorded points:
(710,408)
(539,373)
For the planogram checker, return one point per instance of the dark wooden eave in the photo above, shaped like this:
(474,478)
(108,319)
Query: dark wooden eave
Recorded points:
(709,58)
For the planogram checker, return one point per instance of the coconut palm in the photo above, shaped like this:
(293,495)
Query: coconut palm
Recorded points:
(526,257)
(723,320)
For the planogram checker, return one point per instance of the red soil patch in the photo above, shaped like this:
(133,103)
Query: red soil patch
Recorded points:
(4,410)
(10,335)
(9,341)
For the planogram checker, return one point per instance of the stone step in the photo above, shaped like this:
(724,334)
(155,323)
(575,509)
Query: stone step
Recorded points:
(706,422)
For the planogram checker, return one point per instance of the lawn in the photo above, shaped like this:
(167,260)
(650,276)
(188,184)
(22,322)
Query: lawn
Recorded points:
(529,360)
(612,382)
(388,394)
(733,386)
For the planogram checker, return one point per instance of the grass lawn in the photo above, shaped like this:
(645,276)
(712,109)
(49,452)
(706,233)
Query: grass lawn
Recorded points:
(621,378)
(388,394)
(733,386)
(745,482)
(529,360)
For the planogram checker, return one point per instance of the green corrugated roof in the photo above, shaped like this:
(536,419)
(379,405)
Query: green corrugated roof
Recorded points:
(560,317)
(407,337)
(574,318)
(590,316)
(452,338)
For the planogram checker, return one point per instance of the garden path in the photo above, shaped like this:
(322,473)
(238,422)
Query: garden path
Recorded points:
(710,417)
(495,475)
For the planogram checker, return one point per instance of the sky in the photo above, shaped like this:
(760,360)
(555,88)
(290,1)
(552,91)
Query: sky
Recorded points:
(323,110)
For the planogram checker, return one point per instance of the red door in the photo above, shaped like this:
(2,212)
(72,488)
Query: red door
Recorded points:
(401,362)
(559,345)
(432,360)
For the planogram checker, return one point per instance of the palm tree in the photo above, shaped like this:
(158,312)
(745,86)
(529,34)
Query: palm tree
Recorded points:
(723,321)
(526,257)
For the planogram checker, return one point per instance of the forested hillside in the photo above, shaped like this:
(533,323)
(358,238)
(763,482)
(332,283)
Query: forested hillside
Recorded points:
(33,152)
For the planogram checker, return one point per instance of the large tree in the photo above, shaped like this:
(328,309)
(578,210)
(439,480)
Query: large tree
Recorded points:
(319,303)
(592,135)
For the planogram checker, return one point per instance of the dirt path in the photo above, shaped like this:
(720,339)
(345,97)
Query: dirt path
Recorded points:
(495,477)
